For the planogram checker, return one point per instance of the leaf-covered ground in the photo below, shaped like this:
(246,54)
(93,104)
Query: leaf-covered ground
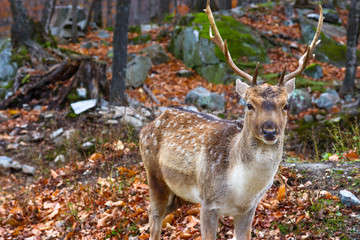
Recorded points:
(104,195)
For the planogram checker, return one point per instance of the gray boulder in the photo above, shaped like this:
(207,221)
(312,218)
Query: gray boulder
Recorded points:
(61,22)
(202,98)
(28,169)
(214,73)
(349,199)
(157,54)
(314,70)
(7,68)
(184,73)
(331,16)
(137,71)
(5,162)
(299,101)
(191,43)
(103,34)
(328,99)
(328,50)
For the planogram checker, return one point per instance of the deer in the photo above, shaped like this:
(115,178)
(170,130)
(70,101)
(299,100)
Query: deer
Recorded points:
(226,166)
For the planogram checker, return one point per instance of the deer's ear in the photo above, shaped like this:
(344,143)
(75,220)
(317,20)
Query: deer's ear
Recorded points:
(290,86)
(241,88)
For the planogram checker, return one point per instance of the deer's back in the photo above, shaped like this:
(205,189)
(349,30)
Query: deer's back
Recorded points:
(186,148)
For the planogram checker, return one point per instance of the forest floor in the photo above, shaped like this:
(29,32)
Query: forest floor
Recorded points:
(102,193)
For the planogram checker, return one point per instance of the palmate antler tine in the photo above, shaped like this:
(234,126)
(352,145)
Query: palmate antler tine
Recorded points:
(216,38)
(309,51)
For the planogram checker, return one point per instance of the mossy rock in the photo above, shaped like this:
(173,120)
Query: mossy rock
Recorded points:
(314,70)
(191,43)
(317,86)
(141,39)
(328,50)
(242,40)
(215,73)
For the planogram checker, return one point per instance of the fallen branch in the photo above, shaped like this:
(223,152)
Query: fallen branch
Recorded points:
(151,95)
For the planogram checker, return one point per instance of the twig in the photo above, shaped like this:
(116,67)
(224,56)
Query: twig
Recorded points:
(285,183)
(151,95)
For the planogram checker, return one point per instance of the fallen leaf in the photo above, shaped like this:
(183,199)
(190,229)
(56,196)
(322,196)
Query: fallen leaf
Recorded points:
(54,174)
(184,235)
(351,155)
(55,211)
(281,193)
(334,158)
(168,219)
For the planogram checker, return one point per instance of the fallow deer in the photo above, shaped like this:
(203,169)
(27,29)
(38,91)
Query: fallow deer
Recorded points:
(227,166)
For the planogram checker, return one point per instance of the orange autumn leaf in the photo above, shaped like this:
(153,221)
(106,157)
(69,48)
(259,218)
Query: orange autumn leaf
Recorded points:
(96,157)
(351,155)
(168,219)
(281,193)
(184,235)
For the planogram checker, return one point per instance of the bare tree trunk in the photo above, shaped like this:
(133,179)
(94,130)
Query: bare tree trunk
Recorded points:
(200,5)
(98,13)
(117,90)
(158,9)
(74,21)
(224,4)
(108,13)
(88,19)
(48,11)
(352,40)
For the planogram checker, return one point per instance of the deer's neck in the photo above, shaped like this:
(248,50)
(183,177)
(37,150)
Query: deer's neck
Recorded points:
(251,153)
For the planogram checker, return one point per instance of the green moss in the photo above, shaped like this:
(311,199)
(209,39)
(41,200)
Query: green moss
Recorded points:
(317,86)
(134,29)
(240,38)
(141,39)
(20,55)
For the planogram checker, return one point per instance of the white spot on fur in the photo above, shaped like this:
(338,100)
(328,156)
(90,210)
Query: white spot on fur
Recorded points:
(155,142)
(174,124)
(157,123)
(192,141)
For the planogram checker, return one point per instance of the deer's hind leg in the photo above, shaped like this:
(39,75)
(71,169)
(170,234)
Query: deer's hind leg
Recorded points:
(161,201)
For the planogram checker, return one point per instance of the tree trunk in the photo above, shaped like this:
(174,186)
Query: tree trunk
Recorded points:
(27,33)
(98,13)
(108,13)
(88,19)
(200,5)
(48,11)
(22,29)
(117,90)
(224,4)
(158,9)
(352,40)
(74,21)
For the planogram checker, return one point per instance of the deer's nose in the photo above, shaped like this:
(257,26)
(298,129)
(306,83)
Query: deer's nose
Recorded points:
(269,134)
(269,130)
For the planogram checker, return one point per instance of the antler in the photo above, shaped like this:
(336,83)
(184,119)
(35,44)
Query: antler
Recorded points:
(309,51)
(224,48)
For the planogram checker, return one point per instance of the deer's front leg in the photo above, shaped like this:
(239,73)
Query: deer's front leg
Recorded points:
(243,224)
(209,219)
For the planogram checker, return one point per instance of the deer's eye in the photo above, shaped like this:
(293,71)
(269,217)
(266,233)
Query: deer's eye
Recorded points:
(286,107)
(250,107)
